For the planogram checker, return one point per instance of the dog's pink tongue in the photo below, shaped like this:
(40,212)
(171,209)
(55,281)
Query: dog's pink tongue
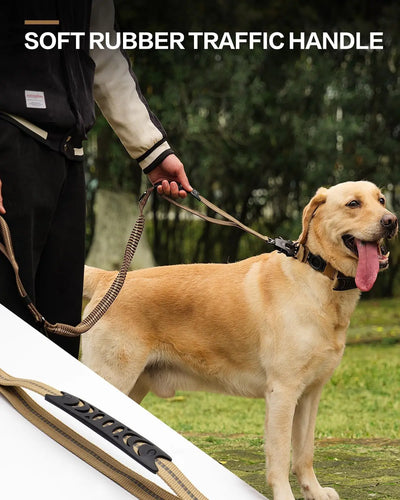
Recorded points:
(368,265)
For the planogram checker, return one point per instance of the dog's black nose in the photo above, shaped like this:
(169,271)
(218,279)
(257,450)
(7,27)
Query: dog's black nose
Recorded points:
(389,222)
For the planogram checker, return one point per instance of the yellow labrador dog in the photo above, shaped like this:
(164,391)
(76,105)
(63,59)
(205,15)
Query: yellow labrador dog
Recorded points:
(268,327)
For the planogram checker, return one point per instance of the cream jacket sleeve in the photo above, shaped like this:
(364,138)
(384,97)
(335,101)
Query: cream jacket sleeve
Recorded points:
(119,98)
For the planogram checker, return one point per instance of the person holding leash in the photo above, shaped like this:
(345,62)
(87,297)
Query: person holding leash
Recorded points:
(46,109)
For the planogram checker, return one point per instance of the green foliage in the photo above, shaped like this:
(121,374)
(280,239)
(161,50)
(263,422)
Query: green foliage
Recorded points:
(258,130)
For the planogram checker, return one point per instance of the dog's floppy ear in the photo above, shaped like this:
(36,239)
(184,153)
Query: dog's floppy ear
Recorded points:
(309,211)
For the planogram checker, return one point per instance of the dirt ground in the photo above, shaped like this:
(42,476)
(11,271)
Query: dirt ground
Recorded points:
(357,469)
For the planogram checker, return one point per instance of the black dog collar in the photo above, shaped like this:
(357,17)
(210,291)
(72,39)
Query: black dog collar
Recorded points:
(303,254)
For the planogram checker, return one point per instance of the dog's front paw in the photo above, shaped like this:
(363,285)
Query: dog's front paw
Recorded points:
(322,494)
(329,494)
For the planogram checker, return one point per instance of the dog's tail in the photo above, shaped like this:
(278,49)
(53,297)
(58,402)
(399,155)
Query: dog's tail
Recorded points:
(92,275)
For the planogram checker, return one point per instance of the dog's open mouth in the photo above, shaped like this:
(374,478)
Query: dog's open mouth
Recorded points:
(372,256)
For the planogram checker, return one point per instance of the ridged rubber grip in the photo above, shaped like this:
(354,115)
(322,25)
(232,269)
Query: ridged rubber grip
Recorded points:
(133,444)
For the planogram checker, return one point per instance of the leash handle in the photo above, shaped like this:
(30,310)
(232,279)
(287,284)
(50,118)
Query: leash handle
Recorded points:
(130,442)
(136,446)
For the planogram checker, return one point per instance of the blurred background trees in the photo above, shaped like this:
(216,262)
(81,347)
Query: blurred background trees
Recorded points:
(259,131)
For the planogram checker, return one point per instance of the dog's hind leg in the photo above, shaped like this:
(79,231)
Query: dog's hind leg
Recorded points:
(123,377)
(303,447)
(119,363)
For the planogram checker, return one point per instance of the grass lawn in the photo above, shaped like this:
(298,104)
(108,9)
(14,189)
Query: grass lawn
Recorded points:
(358,430)
(376,319)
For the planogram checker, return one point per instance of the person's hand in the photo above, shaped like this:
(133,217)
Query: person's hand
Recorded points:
(170,172)
(2,209)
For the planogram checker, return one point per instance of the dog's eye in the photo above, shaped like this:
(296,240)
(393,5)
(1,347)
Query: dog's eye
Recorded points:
(382,201)
(353,204)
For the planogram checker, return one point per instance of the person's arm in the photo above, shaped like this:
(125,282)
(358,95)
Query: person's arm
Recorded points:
(119,98)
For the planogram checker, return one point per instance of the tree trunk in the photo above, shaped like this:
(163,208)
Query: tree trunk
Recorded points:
(116,214)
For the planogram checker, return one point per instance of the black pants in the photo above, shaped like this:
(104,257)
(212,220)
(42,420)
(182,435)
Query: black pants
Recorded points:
(44,196)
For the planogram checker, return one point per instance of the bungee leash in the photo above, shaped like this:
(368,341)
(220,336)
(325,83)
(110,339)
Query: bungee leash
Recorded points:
(60,328)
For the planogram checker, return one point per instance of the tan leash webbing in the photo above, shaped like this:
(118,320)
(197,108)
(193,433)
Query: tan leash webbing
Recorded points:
(230,220)
(142,488)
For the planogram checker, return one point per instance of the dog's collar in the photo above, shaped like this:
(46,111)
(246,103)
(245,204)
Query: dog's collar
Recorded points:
(300,252)
(341,282)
